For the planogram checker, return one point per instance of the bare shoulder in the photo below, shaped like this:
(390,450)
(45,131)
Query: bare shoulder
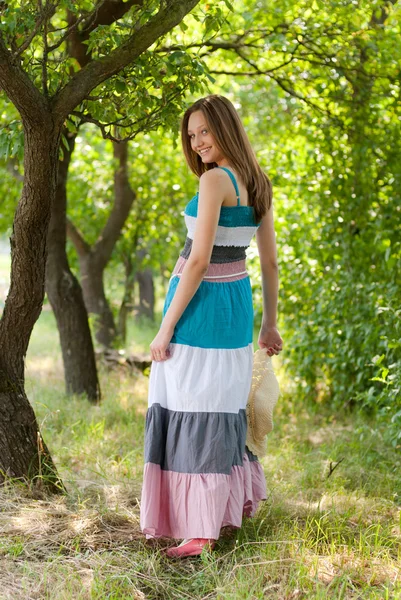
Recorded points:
(214,177)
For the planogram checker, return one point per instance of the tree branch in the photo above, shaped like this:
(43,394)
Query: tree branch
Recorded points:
(141,124)
(71,29)
(332,467)
(106,13)
(380,20)
(239,45)
(124,197)
(47,12)
(81,246)
(27,99)
(43,15)
(97,71)
(87,118)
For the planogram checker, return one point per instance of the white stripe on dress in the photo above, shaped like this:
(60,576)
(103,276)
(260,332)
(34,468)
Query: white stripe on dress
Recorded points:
(225,236)
(198,379)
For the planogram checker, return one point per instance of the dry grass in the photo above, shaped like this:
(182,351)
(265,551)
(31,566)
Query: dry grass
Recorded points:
(316,537)
(60,548)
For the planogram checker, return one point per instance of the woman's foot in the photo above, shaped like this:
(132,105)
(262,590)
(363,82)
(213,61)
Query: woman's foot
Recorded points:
(192,547)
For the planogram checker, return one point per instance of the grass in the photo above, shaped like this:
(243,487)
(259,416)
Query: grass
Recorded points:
(322,533)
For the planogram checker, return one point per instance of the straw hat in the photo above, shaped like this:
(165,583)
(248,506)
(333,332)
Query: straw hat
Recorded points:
(262,399)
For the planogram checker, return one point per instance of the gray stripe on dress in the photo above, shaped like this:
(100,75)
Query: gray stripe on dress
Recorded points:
(195,442)
(220,254)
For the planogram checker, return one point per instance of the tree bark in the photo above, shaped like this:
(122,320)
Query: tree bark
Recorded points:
(146,294)
(65,296)
(96,71)
(108,11)
(64,291)
(95,299)
(93,259)
(127,301)
(23,454)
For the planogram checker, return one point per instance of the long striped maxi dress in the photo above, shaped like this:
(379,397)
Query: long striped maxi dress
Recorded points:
(198,474)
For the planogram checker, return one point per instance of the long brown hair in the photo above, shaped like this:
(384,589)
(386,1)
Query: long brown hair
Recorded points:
(229,133)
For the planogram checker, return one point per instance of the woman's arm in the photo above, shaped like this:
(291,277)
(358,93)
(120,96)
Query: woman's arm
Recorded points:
(266,240)
(210,199)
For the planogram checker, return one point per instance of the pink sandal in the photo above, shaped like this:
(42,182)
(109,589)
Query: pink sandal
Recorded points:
(192,547)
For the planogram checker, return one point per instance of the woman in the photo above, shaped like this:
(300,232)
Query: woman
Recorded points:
(199,476)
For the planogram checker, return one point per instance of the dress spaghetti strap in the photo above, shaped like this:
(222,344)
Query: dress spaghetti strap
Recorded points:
(234,182)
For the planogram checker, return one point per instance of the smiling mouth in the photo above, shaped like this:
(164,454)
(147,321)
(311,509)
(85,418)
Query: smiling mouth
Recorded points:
(204,151)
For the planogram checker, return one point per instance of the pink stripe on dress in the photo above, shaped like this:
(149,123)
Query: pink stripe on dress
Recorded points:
(192,505)
(218,272)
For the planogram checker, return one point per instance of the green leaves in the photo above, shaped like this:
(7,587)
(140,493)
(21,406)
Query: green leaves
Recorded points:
(17,20)
(11,141)
(323,112)
(147,95)
(336,180)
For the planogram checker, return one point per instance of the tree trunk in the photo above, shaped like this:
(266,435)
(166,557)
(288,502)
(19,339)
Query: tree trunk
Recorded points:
(144,278)
(95,299)
(146,294)
(127,301)
(65,296)
(93,259)
(23,454)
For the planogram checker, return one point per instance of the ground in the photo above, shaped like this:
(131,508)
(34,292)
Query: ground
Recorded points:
(322,533)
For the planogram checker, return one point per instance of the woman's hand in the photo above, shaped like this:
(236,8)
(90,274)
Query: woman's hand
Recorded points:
(159,350)
(270,338)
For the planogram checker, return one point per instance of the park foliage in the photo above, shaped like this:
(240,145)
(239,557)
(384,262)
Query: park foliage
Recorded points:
(318,87)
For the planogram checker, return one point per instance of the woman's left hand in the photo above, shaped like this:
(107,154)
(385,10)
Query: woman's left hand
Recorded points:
(159,350)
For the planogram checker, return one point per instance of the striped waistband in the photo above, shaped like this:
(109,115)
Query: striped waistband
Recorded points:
(217,272)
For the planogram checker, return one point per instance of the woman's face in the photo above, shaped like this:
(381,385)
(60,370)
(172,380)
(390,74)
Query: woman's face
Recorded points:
(202,141)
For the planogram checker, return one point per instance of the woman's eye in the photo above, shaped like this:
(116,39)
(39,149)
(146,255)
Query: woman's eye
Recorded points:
(204,131)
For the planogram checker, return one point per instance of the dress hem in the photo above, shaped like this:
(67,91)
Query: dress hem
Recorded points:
(183,505)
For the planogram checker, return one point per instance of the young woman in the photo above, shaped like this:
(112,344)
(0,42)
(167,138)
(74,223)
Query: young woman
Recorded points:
(199,475)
